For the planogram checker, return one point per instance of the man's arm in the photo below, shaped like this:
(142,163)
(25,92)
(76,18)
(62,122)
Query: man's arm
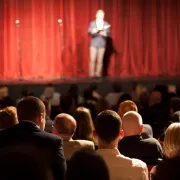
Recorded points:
(59,162)
(92,30)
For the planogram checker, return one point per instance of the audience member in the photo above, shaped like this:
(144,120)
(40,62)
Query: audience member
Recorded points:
(174,105)
(84,130)
(65,126)
(112,97)
(87,165)
(48,125)
(74,93)
(123,97)
(89,102)
(16,164)
(158,113)
(171,151)
(8,117)
(94,89)
(29,134)
(133,145)
(51,95)
(67,104)
(108,131)
(127,106)
(101,105)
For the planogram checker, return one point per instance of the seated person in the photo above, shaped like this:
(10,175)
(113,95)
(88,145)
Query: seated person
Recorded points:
(168,169)
(8,117)
(127,106)
(65,127)
(133,145)
(108,129)
(86,164)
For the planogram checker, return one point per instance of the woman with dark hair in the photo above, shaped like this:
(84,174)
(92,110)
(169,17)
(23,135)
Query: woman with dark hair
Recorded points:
(86,164)
(84,130)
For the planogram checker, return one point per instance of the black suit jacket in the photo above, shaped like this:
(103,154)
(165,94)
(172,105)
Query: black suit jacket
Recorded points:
(147,150)
(28,137)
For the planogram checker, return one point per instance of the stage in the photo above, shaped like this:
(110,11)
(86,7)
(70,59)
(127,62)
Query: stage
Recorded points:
(104,84)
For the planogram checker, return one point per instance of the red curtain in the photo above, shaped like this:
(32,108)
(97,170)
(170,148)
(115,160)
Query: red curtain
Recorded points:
(146,35)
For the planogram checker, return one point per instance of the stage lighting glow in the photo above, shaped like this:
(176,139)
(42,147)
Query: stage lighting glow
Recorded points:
(59,21)
(17,21)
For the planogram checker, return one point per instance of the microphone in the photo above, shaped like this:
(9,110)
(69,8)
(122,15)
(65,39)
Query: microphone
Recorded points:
(60,22)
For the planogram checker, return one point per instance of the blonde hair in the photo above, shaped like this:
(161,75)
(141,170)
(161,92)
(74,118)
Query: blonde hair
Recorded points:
(171,143)
(8,117)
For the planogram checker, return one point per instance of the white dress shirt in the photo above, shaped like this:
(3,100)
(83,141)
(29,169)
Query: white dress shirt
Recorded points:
(123,168)
(100,25)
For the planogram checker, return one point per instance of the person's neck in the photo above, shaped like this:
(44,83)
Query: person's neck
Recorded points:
(65,137)
(103,145)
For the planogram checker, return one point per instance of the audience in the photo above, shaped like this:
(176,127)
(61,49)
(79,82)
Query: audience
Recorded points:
(65,126)
(84,130)
(25,146)
(16,164)
(108,129)
(48,125)
(29,134)
(101,105)
(171,152)
(112,97)
(8,117)
(87,165)
(127,106)
(133,145)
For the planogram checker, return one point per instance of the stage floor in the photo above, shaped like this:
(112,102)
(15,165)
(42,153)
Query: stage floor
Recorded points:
(72,80)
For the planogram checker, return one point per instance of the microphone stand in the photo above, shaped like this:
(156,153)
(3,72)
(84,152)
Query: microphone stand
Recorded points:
(60,23)
(19,49)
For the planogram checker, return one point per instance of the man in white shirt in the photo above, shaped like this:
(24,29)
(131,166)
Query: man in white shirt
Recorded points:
(65,127)
(108,130)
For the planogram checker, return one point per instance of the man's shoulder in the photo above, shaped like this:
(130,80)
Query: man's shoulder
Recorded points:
(83,143)
(150,141)
(138,163)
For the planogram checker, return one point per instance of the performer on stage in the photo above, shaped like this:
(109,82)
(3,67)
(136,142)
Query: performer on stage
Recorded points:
(99,30)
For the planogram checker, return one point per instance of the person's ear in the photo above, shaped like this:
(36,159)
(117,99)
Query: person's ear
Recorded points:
(121,134)
(141,129)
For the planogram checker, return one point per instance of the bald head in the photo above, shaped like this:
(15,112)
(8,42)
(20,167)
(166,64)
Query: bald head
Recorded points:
(65,124)
(132,123)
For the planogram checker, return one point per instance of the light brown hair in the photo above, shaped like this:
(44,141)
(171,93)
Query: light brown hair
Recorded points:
(84,130)
(8,117)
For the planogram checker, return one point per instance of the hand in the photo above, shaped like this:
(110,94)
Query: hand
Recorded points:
(94,31)
(103,33)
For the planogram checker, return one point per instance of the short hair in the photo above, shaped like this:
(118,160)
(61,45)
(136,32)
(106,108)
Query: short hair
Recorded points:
(8,117)
(30,108)
(175,104)
(84,121)
(176,117)
(171,141)
(62,126)
(108,125)
(100,11)
(87,164)
(126,106)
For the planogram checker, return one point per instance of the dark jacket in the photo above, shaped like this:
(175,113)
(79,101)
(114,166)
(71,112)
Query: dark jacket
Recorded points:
(98,40)
(146,150)
(27,136)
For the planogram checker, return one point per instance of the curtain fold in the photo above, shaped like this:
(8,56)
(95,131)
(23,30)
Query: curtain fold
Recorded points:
(146,35)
